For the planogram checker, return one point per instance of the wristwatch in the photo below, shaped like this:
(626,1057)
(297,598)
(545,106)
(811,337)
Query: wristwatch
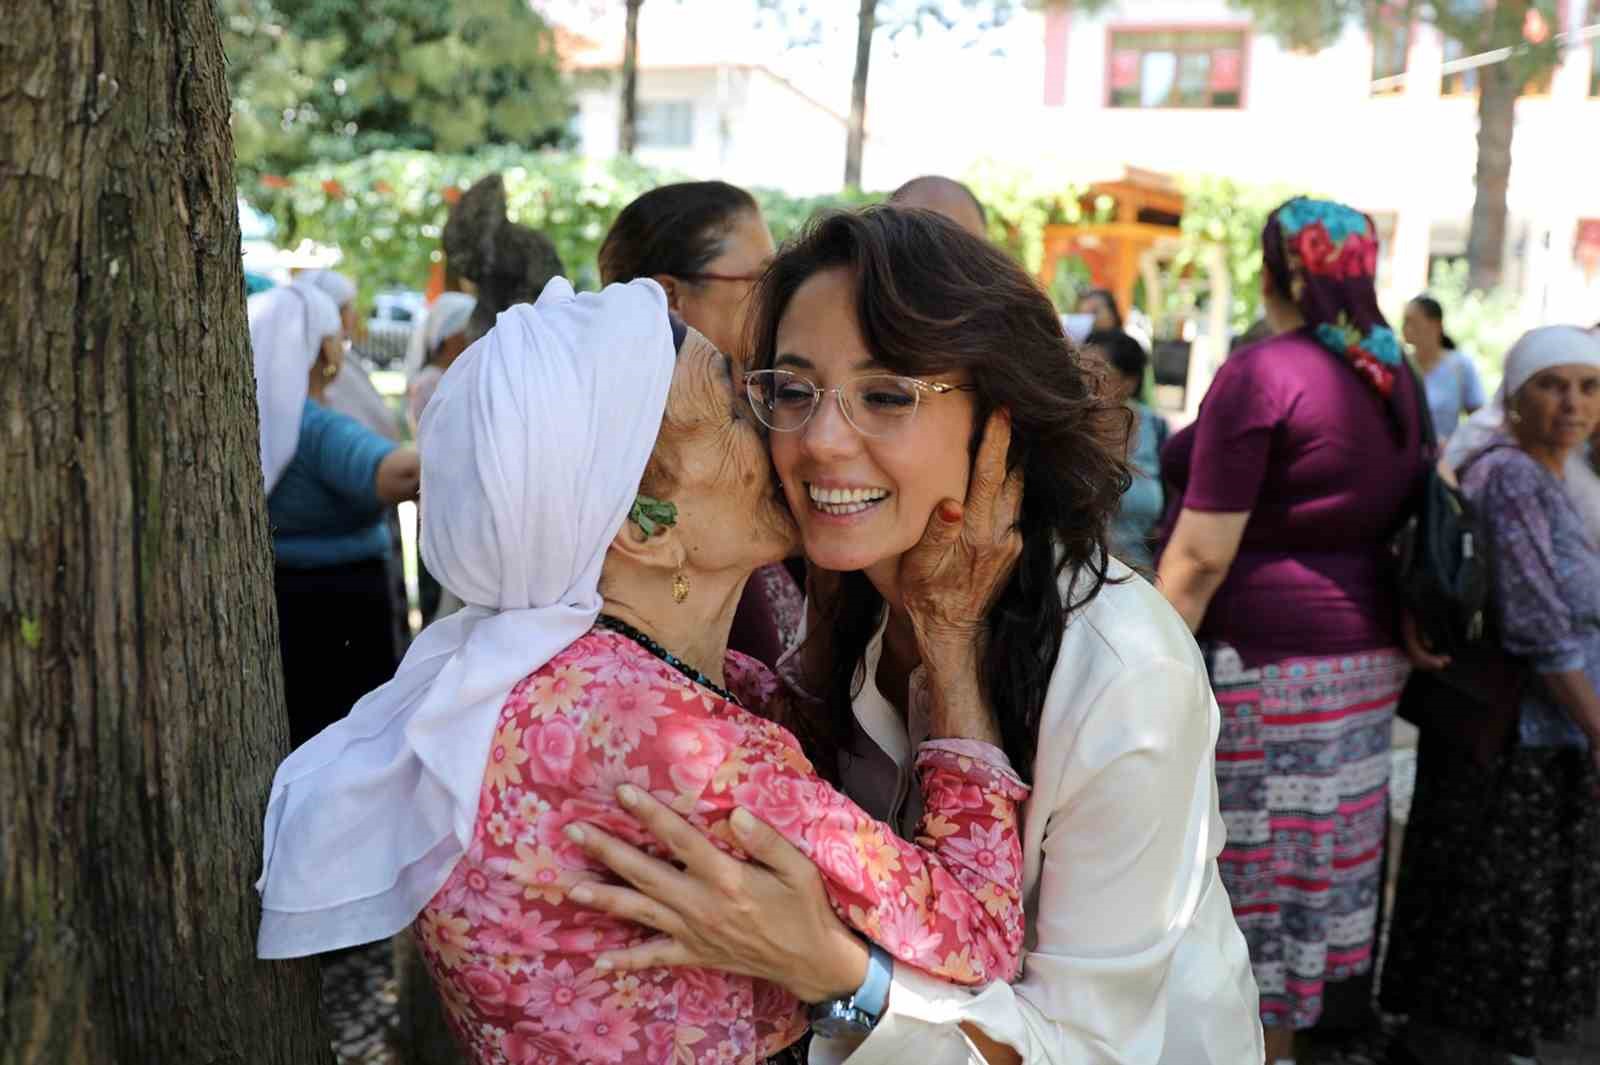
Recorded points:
(858,1014)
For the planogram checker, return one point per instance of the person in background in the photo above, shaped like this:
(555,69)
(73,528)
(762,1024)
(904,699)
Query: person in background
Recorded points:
(948,197)
(329,481)
(1284,492)
(445,332)
(351,391)
(1134,527)
(705,243)
(1103,305)
(1454,389)
(1496,931)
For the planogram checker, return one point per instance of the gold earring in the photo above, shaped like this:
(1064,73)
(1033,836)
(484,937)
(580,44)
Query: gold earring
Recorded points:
(1515,417)
(680,586)
(329,371)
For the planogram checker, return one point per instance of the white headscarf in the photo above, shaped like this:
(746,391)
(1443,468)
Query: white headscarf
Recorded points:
(447,316)
(1536,350)
(287,326)
(336,286)
(534,447)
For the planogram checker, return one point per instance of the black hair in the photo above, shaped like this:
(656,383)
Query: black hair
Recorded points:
(1125,354)
(932,298)
(672,229)
(1432,311)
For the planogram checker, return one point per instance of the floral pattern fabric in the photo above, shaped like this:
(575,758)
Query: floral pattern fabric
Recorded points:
(1327,254)
(514,960)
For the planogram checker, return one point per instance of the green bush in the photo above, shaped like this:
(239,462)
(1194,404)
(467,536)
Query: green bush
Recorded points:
(1483,324)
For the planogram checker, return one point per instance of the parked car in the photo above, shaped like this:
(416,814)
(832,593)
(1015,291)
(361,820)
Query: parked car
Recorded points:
(395,313)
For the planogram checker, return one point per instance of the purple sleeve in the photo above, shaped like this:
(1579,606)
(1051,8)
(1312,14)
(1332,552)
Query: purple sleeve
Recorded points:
(1233,438)
(1535,621)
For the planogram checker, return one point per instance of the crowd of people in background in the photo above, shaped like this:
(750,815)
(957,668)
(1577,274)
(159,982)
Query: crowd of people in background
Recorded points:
(1245,558)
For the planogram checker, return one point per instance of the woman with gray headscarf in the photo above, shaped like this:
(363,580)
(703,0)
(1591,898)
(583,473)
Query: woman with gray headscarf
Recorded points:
(1496,932)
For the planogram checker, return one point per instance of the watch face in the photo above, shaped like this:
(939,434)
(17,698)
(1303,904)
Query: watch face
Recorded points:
(837,1019)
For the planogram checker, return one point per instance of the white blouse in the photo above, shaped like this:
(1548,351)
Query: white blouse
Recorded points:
(1132,956)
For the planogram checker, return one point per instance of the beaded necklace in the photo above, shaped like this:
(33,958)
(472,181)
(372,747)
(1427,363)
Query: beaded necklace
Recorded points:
(622,628)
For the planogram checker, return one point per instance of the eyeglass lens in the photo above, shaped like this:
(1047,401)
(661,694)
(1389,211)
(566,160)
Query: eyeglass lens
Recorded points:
(877,404)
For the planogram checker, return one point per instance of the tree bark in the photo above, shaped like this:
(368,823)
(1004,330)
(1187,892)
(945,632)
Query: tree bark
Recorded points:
(628,133)
(866,24)
(1486,240)
(141,697)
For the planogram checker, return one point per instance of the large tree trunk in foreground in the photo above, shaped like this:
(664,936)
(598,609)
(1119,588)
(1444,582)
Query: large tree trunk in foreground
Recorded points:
(866,25)
(1486,241)
(141,700)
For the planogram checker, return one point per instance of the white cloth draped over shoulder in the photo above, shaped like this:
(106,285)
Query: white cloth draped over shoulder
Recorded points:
(1536,350)
(531,457)
(287,327)
(336,286)
(1132,954)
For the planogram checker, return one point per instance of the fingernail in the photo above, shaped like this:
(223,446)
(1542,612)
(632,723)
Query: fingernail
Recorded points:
(950,511)
(581,894)
(742,822)
(574,833)
(603,964)
(628,795)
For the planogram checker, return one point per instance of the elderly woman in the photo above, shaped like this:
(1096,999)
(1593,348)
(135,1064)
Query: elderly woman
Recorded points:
(329,481)
(1496,931)
(598,494)
(445,331)
(705,243)
(351,391)
(1133,529)
(1305,453)
(886,341)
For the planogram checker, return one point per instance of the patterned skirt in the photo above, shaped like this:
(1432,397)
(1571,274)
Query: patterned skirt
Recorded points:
(1303,780)
(1496,929)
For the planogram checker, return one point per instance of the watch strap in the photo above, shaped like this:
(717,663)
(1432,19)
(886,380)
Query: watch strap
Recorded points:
(872,997)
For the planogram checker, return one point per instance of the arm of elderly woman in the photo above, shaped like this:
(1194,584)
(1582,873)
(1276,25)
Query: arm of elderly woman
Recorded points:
(399,476)
(1197,558)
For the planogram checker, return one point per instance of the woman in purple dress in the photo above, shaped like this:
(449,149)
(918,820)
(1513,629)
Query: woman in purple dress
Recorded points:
(1496,933)
(1285,490)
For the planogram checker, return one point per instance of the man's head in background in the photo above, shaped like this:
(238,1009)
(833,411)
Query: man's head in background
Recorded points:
(945,196)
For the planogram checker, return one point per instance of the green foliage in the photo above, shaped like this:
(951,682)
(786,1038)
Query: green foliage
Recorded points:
(385,211)
(1229,213)
(1484,324)
(331,80)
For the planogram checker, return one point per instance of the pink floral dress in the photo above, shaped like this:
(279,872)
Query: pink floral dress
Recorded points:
(514,960)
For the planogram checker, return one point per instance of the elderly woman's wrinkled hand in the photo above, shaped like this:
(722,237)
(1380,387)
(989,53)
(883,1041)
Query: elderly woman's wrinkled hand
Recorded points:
(952,578)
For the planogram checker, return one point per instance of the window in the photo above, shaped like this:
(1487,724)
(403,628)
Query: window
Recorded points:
(1176,68)
(666,124)
(1391,44)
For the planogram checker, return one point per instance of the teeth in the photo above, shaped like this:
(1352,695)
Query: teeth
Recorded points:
(843,496)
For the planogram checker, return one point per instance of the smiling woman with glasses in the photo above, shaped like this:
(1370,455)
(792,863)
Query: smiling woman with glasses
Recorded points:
(938,350)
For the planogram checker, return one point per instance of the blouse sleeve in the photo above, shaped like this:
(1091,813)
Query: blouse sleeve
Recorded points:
(1535,620)
(1127,876)
(1233,440)
(345,455)
(949,904)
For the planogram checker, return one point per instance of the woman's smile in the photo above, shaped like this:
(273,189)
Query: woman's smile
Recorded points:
(844,504)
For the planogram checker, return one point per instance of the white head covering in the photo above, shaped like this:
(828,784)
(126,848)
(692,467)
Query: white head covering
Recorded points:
(532,455)
(336,286)
(447,317)
(286,330)
(1536,350)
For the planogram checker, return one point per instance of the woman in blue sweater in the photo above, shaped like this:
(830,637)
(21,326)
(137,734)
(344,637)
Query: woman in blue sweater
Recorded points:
(329,480)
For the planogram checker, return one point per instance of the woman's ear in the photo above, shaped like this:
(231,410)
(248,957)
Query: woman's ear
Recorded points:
(661,549)
(669,285)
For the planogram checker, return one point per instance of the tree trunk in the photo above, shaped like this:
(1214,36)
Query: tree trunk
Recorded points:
(141,698)
(628,135)
(424,1033)
(1486,241)
(866,23)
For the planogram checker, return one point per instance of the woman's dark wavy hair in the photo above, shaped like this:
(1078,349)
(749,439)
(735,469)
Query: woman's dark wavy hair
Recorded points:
(931,298)
(672,229)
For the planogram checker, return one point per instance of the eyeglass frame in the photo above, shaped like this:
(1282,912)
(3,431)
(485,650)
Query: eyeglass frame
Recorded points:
(938,388)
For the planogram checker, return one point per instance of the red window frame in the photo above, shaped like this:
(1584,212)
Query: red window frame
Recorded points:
(1195,28)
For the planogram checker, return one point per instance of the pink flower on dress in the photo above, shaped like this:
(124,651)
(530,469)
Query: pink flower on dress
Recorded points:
(491,990)
(983,850)
(837,857)
(530,1044)
(559,691)
(609,1034)
(701,995)
(479,888)
(564,999)
(906,933)
(524,935)
(780,799)
(505,757)
(632,710)
(692,751)
(554,754)
(447,937)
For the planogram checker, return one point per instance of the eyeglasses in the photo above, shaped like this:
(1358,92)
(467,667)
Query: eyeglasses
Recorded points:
(876,405)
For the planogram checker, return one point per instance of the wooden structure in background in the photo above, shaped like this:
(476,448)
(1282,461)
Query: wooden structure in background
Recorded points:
(1147,207)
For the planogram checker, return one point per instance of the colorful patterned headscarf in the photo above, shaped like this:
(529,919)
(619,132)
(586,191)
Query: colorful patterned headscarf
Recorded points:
(1324,256)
